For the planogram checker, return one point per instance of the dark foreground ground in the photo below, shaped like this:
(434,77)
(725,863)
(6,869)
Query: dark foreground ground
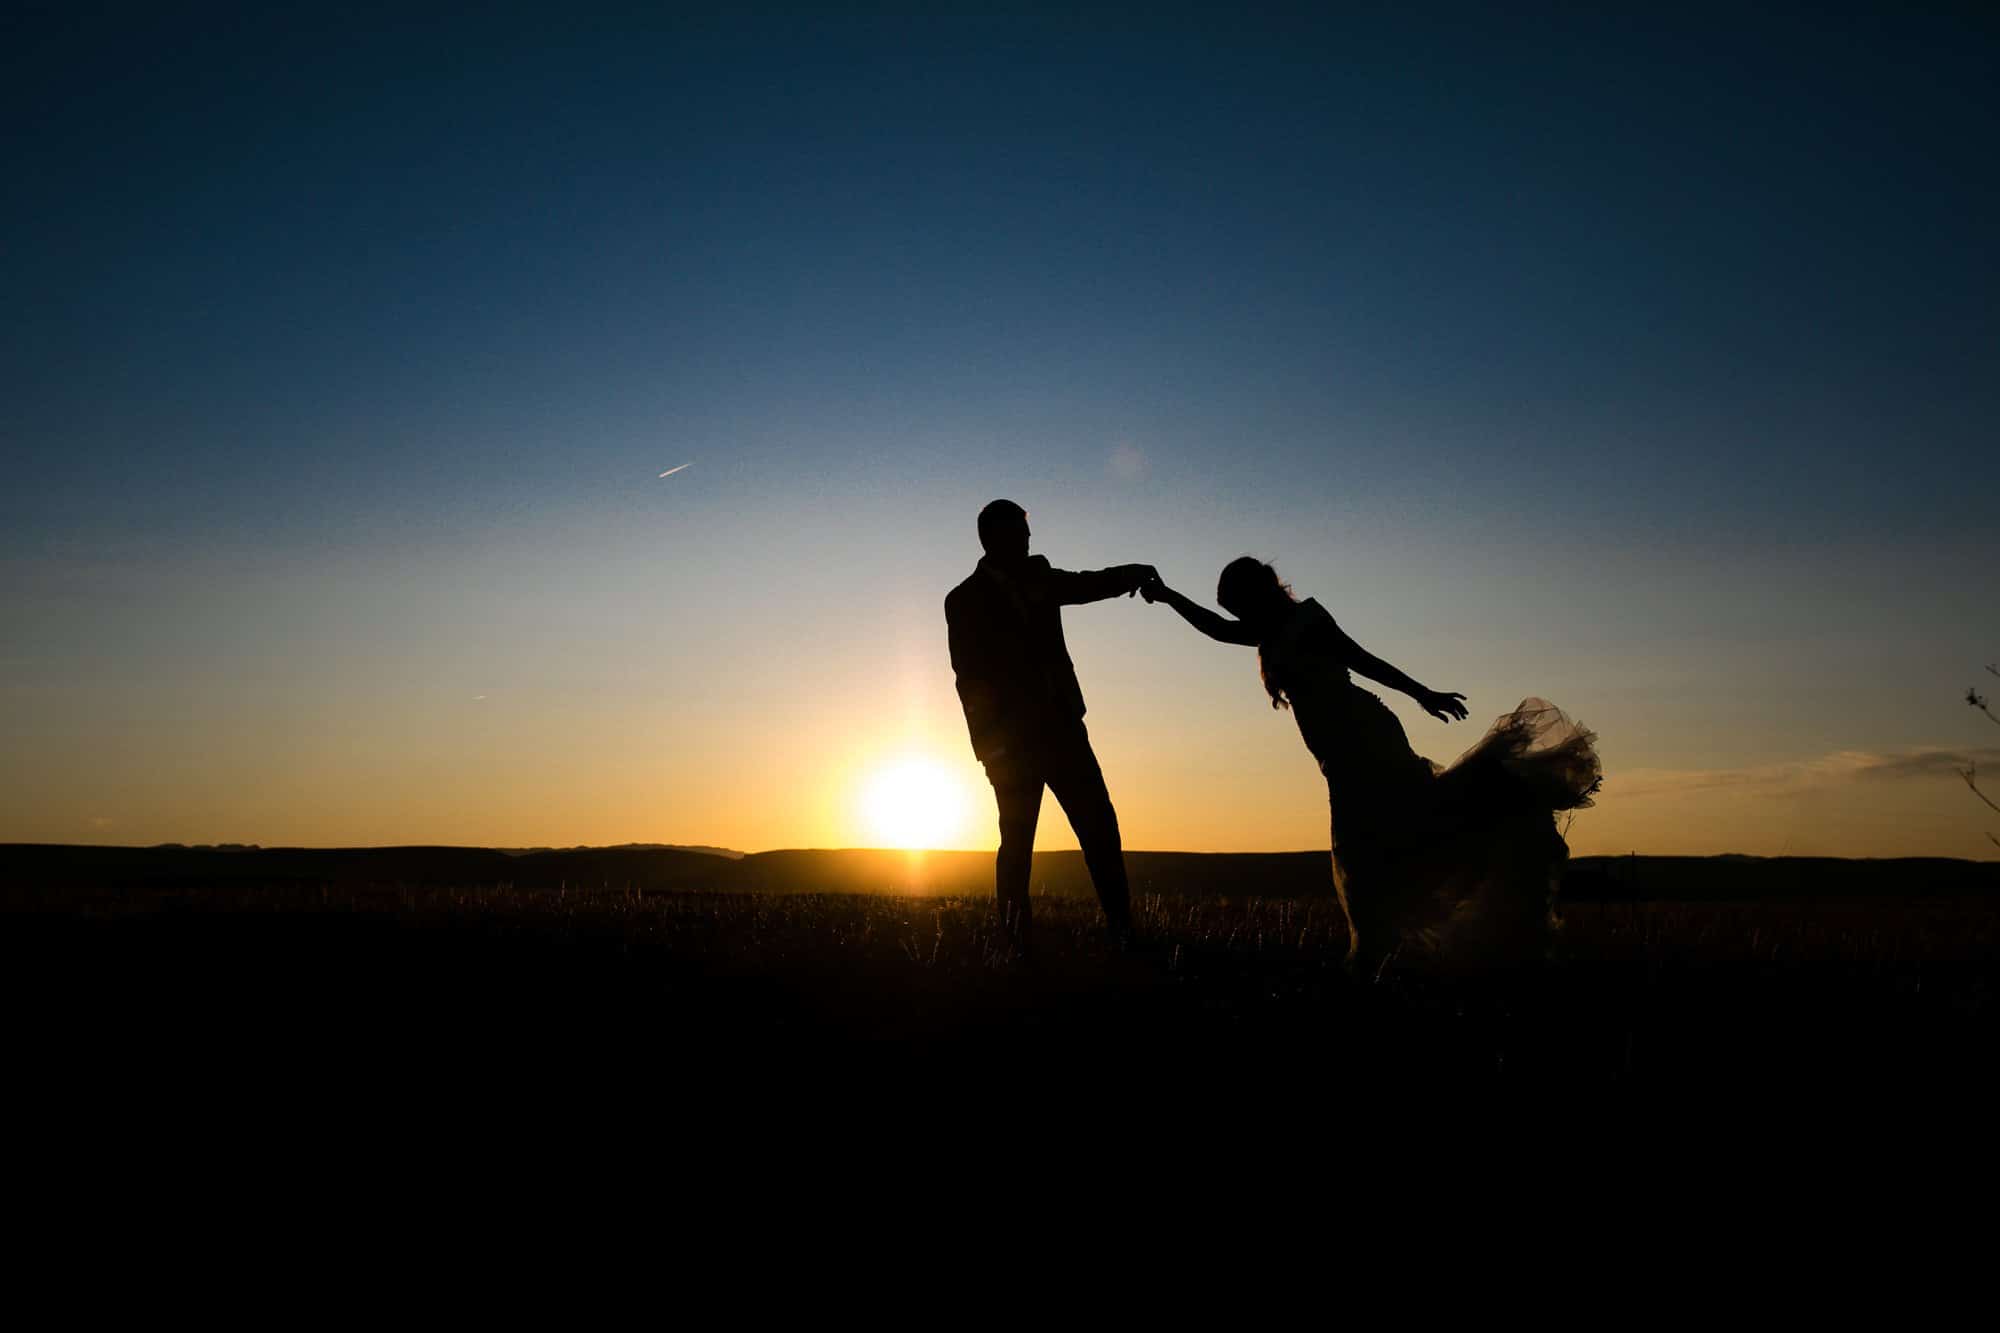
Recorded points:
(383,998)
(319,1083)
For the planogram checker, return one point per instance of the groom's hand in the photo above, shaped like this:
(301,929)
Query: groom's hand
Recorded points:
(1141,575)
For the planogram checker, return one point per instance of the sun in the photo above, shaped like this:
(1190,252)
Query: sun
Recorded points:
(913,802)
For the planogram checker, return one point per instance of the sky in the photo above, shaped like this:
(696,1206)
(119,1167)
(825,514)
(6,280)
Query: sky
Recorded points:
(1647,366)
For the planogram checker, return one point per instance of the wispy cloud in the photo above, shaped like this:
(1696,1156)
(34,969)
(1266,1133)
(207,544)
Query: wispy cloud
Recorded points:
(682,468)
(1933,763)
(1838,767)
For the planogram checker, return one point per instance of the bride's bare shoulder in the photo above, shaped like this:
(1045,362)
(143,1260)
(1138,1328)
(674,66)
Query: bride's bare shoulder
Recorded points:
(1314,630)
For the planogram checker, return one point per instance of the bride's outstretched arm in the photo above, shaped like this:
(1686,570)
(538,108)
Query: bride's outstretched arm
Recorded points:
(1439,704)
(1220,628)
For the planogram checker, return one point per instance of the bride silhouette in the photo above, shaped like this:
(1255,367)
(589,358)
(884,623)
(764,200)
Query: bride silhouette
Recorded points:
(1454,865)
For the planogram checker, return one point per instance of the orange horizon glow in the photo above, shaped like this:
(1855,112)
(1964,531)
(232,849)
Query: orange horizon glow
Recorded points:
(360,754)
(921,797)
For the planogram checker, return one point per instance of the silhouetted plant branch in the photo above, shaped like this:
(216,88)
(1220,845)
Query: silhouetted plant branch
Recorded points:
(1980,701)
(1971,770)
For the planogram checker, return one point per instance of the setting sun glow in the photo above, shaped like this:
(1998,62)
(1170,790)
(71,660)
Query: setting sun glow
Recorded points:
(913,802)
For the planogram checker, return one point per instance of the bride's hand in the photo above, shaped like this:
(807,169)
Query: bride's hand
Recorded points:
(1153,588)
(1443,706)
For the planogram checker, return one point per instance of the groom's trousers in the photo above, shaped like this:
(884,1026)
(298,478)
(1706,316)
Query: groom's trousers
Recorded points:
(1059,758)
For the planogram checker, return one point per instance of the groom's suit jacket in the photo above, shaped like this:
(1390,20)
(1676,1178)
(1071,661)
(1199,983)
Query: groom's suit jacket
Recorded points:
(1015,678)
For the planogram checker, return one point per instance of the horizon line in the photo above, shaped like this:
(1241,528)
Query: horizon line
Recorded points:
(732,853)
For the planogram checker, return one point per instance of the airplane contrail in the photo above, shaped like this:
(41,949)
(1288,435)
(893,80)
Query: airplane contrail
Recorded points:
(670,471)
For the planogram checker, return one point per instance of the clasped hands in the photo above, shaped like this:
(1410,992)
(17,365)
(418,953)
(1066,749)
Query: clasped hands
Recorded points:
(1146,582)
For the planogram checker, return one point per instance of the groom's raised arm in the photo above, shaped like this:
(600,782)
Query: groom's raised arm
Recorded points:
(1072,587)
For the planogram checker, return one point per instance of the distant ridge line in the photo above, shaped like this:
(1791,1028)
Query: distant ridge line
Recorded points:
(726,852)
(950,873)
(729,852)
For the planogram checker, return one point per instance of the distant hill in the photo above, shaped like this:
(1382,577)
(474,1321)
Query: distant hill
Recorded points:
(46,864)
(862,870)
(1731,878)
(1308,875)
(966,874)
(630,847)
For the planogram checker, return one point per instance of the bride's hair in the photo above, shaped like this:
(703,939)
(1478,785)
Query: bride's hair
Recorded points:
(1251,590)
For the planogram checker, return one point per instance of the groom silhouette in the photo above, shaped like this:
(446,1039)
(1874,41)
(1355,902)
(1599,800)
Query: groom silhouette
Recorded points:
(1024,710)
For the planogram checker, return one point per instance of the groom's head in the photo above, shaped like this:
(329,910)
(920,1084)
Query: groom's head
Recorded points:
(1003,530)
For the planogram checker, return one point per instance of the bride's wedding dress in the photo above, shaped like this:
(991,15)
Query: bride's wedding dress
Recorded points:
(1453,864)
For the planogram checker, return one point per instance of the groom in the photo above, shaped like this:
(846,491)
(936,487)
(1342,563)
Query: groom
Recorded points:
(1025,710)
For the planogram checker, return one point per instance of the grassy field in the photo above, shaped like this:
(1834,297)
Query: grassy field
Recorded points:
(519,993)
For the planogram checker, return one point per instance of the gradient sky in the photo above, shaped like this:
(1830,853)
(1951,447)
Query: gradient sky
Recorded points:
(1650,367)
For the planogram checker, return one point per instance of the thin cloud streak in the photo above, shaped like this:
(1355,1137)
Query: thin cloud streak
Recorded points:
(670,471)
(1840,767)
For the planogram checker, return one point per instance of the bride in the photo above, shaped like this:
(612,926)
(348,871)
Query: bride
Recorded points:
(1450,865)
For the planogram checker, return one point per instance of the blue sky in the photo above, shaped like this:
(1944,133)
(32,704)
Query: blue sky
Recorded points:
(1647,366)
